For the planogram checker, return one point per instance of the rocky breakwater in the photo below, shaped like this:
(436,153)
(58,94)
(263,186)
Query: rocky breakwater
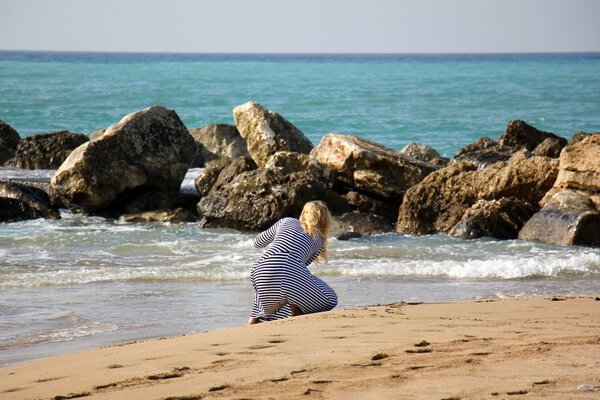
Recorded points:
(134,167)
(361,181)
(489,189)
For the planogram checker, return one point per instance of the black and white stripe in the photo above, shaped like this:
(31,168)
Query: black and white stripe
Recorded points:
(280,276)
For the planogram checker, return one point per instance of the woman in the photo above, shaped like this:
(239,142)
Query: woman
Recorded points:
(283,285)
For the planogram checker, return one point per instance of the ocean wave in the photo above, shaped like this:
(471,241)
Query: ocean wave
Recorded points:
(62,328)
(499,267)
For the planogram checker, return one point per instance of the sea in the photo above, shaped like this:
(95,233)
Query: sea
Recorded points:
(84,282)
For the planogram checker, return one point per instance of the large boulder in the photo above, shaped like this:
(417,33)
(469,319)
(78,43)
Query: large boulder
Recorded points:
(579,169)
(520,135)
(255,199)
(370,167)
(47,151)
(218,144)
(9,141)
(267,132)
(500,219)
(147,150)
(439,202)
(20,202)
(567,218)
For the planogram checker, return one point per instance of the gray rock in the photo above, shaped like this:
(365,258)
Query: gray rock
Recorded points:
(267,132)
(218,144)
(9,141)
(47,151)
(500,219)
(148,150)
(567,218)
(20,202)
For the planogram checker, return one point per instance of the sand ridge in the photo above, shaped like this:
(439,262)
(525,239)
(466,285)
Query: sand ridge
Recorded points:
(492,349)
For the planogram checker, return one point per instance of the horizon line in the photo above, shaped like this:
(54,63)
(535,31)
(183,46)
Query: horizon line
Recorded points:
(302,53)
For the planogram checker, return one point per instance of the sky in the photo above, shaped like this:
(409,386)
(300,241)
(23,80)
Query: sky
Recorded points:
(301,26)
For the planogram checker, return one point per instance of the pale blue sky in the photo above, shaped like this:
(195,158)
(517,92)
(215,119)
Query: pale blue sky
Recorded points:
(301,26)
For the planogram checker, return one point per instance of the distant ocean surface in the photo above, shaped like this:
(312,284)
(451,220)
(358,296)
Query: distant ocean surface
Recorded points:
(84,282)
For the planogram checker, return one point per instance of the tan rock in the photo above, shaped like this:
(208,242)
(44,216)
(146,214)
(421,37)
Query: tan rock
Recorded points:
(267,132)
(579,170)
(148,149)
(369,166)
(438,203)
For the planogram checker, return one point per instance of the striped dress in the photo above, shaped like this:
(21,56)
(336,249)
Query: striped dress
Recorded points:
(280,277)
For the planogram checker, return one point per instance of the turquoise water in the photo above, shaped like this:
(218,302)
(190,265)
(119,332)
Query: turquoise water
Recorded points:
(443,101)
(83,282)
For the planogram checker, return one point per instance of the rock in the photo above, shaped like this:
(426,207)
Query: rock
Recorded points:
(520,135)
(46,151)
(218,144)
(484,152)
(352,225)
(500,219)
(579,170)
(567,218)
(175,216)
(550,147)
(420,152)
(206,180)
(439,202)
(147,150)
(95,135)
(9,141)
(267,132)
(579,136)
(370,167)
(146,201)
(254,200)
(233,169)
(365,204)
(290,162)
(20,202)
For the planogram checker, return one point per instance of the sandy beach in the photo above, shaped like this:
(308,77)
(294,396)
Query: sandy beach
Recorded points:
(488,349)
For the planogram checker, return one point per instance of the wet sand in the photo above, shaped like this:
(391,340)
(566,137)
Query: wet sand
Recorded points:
(490,349)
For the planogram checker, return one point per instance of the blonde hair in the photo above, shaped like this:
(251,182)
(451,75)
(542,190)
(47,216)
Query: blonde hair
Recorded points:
(316,220)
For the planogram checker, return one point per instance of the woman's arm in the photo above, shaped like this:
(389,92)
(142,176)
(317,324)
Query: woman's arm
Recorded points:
(266,237)
(316,254)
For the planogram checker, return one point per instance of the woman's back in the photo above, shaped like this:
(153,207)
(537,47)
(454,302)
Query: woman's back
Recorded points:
(289,242)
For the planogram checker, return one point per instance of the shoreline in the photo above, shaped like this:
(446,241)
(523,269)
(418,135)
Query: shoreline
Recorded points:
(466,349)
